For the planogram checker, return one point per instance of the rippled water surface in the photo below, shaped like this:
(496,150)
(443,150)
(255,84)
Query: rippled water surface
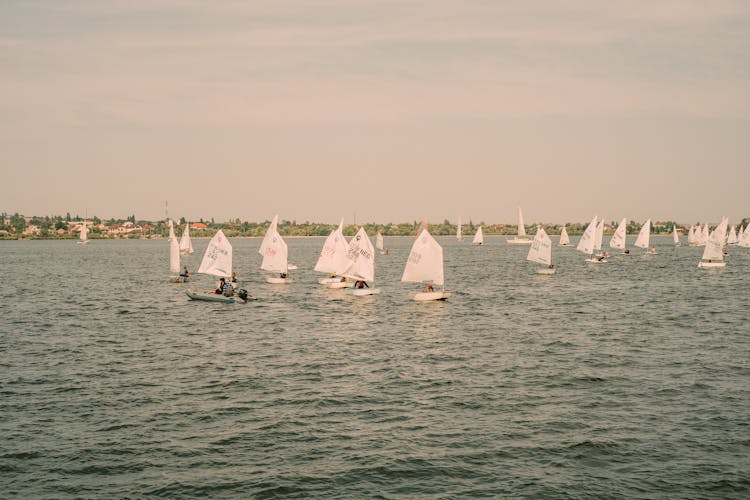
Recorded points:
(626,379)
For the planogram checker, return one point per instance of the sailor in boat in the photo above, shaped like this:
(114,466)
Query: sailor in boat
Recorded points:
(600,258)
(551,266)
(234,277)
(361,284)
(429,288)
(343,279)
(626,251)
(282,275)
(185,273)
(222,285)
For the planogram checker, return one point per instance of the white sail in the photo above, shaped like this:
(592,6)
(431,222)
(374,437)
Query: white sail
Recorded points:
(618,239)
(675,236)
(715,243)
(274,250)
(564,238)
(174,255)
(704,234)
(541,248)
(732,239)
(478,237)
(599,236)
(186,246)
(361,256)
(379,241)
(425,261)
(521,228)
(218,257)
(745,238)
(586,243)
(643,236)
(172,235)
(691,235)
(333,255)
(84,234)
(459,234)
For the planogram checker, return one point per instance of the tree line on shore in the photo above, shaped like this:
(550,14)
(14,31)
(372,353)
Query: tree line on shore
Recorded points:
(63,227)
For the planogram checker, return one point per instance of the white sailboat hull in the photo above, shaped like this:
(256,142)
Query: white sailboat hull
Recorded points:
(519,241)
(325,281)
(546,271)
(596,261)
(363,292)
(274,280)
(427,296)
(711,265)
(341,284)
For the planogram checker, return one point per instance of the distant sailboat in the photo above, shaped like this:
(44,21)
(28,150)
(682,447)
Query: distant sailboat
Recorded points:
(599,239)
(478,237)
(744,239)
(704,234)
(333,256)
(732,239)
(425,265)
(174,256)
(275,253)
(619,238)
(521,238)
(361,256)
(675,236)
(713,254)
(186,246)
(643,238)
(564,238)
(691,236)
(586,243)
(380,244)
(83,236)
(217,261)
(541,251)
(459,234)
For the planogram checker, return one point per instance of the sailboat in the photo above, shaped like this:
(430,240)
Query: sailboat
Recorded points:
(186,246)
(478,237)
(643,238)
(704,234)
(619,238)
(217,261)
(274,252)
(83,236)
(333,256)
(564,238)
(521,238)
(586,243)
(541,251)
(675,236)
(691,236)
(379,244)
(425,265)
(361,255)
(174,256)
(459,235)
(599,238)
(745,238)
(713,254)
(732,239)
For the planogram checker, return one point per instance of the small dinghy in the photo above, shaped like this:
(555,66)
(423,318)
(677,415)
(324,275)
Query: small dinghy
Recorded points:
(174,257)
(275,253)
(425,265)
(332,256)
(587,242)
(541,252)
(361,269)
(521,238)
(713,254)
(242,296)
(478,237)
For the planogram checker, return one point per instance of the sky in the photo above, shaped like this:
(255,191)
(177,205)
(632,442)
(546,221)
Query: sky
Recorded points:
(387,111)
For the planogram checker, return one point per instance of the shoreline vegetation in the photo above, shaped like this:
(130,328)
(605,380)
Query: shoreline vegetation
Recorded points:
(16,226)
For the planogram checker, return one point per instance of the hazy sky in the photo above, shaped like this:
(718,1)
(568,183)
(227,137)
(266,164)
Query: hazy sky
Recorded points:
(395,110)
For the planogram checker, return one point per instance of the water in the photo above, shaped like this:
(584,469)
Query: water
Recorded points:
(625,379)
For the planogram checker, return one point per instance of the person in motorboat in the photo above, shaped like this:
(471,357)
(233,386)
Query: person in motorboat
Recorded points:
(220,289)
(361,284)
(185,273)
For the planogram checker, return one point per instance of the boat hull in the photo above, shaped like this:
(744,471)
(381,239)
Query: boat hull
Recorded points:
(596,261)
(278,281)
(428,296)
(325,281)
(209,297)
(519,241)
(711,265)
(341,284)
(546,271)
(363,292)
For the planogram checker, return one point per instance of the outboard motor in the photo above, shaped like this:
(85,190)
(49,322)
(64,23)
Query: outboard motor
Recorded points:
(242,293)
